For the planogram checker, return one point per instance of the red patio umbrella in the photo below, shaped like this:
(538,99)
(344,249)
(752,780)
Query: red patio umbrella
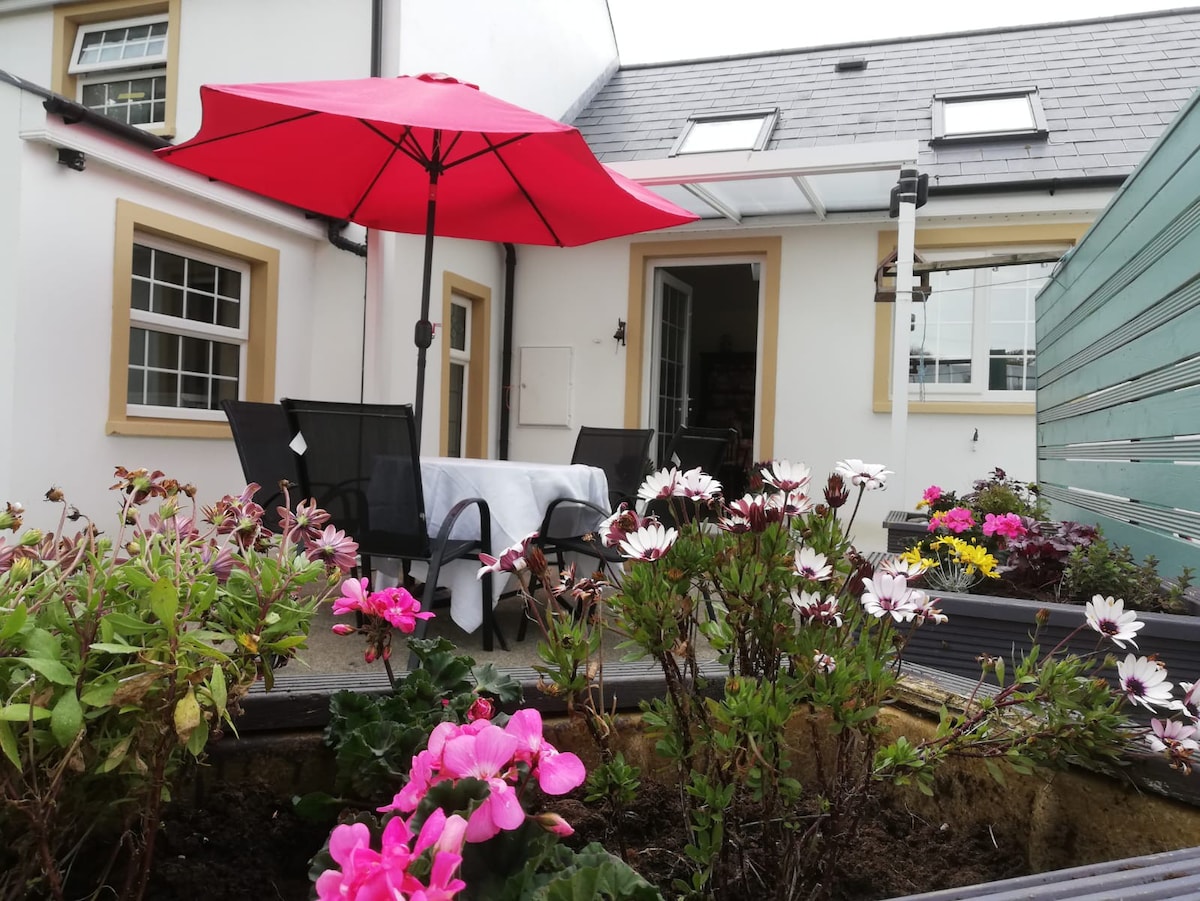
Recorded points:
(419,154)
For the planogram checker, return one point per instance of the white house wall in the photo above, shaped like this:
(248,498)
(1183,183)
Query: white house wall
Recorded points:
(541,54)
(824,396)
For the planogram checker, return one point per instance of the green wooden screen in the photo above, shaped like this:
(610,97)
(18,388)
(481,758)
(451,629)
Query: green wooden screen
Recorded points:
(1118,350)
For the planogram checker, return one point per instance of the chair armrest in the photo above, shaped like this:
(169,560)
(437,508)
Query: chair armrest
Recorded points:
(544,531)
(485,522)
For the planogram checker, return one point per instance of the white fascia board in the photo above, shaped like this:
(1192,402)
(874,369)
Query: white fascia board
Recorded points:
(871,156)
(99,148)
(1063,204)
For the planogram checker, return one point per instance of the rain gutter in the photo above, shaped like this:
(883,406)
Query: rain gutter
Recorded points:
(506,348)
(1051,185)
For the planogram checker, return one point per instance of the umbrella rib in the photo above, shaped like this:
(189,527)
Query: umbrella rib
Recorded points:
(399,144)
(491,148)
(167,151)
(371,186)
(520,187)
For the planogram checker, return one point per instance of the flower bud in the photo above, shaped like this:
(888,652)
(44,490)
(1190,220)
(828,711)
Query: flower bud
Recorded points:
(536,559)
(21,570)
(480,709)
(10,517)
(553,824)
(343,629)
(1042,616)
(55,494)
(31,538)
(369,654)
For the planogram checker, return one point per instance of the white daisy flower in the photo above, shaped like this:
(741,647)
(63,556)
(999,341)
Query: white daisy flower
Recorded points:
(786,476)
(1189,704)
(824,663)
(812,565)
(1165,734)
(888,595)
(1109,617)
(866,475)
(658,485)
(1144,681)
(696,485)
(649,542)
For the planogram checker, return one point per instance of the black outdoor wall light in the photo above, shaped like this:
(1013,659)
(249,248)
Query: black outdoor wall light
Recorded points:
(619,334)
(72,159)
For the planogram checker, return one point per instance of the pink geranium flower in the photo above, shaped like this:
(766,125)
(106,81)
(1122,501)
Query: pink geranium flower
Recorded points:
(931,495)
(557,773)
(956,520)
(1006,525)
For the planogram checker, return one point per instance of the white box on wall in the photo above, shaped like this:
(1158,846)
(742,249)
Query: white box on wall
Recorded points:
(544,396)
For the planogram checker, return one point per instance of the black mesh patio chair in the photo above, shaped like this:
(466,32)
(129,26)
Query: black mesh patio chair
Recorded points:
(261,434)
(691,447)
(361,463)
(624,455)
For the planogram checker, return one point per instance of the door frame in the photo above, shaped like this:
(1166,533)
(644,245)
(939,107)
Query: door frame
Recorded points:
(478,387)
(644,258)
(654,345)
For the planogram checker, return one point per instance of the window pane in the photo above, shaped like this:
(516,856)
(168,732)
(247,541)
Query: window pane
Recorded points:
(458,327)
(226,359)
(139,297)
(168,301)
(169,267)
(200,307)
(229,282)
(135,393)
(196,354)
(454,410)
(229,314)
(728,134)
(162,389)
(141,260)
(162,350)
(195,392)
(979,116)
(201,276)
(221,389)
(137,346)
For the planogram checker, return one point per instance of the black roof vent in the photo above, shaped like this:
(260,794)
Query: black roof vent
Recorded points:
(850,65)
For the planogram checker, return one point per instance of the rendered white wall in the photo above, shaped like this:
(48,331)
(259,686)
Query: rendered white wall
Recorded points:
(12,285)
(63,331)
(540,54)
(25,41)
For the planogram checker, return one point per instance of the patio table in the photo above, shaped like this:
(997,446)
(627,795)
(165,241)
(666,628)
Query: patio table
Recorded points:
(517,494)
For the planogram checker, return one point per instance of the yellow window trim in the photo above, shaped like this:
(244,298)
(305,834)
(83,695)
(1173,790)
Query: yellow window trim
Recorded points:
(478,373)
(259,378)
(644,255)
(69,17)
(944,239)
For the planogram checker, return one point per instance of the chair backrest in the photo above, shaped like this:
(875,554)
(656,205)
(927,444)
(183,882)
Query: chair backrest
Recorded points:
(361,463)
(693,446)
(623,454)
(261,434)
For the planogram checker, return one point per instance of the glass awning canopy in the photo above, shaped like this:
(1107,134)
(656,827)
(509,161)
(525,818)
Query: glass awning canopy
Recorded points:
(814,181)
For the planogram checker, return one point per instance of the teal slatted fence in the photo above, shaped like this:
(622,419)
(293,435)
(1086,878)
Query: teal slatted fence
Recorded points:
(1118,339)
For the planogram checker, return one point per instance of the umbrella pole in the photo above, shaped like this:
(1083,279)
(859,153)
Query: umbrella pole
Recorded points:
(423,334)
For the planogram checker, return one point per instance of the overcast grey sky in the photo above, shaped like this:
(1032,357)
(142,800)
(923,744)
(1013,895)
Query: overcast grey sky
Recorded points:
(656,30)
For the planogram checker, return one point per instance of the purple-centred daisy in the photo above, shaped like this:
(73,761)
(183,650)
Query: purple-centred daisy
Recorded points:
(1164,733)
(658,485)
(864,475)
(649,542)
(888,595)
(1144,681)
(812,565)
(512,559)
(1189,704)
(823,663)
(697,485)
(1109,617)
(816,608)
(786,476)
(924,611)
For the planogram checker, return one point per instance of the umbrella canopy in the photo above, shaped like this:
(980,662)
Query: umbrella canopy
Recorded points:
(422,154)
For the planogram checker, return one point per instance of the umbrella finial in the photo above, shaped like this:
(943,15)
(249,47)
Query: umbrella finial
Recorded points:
(443,78)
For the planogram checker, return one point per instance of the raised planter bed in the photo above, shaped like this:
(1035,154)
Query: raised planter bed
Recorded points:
(998,626)
(904,529)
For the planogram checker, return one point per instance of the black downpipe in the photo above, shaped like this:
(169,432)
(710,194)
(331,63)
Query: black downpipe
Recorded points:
(376,38)
(506,348)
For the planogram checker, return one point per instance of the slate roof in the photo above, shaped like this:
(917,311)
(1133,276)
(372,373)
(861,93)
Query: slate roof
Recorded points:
(1108,87)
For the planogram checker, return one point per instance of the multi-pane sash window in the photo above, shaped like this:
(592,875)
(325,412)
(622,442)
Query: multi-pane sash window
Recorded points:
(460,361)
(975,333)
(188,328)
(121,69)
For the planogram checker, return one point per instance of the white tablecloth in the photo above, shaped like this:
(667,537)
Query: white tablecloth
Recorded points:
(517,494)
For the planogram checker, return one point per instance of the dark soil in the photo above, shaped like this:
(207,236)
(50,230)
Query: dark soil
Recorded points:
(242,842)
(896,853)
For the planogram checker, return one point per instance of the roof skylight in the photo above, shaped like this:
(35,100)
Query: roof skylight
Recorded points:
(739,131)
(992,114)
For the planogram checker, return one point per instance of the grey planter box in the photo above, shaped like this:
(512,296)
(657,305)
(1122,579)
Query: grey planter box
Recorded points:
(983,624)
(904,529)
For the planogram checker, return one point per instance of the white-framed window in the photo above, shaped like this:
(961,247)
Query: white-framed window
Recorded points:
(120,69)
(973,337)
(1014,112)
(459,344)
(726,131)
(188,330)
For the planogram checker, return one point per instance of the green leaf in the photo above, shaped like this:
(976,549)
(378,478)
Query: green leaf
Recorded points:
(216,685)
(994,771)
(50,669)
(115,756)
(198,739)
(13,621)
(22,713)
(127,624)
(164,601)
(8,744)
(98,694)
(67,719)
(112,647)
